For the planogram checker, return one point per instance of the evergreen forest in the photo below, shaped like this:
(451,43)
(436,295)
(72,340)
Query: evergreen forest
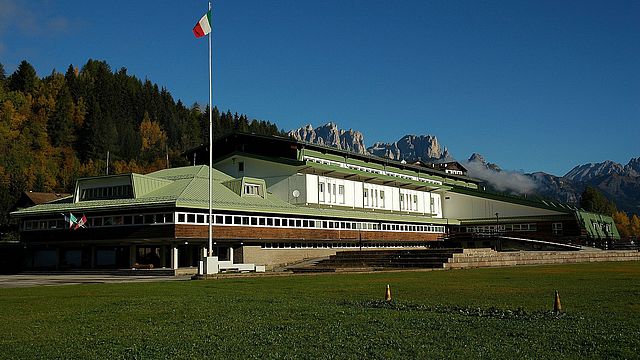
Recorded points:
(60,127)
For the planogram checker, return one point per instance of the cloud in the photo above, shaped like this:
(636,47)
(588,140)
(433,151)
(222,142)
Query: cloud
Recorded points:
(505,180)
(14,14)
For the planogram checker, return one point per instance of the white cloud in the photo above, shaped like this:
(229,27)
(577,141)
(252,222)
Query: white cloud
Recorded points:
(505,180)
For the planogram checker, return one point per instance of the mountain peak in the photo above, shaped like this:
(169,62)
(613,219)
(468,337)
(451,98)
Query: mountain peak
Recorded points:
(330,135)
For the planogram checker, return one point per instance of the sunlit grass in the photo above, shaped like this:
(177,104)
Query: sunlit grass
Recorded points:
(488,313)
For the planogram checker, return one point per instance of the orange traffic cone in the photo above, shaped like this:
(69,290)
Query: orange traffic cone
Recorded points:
(556,303)
(387,294)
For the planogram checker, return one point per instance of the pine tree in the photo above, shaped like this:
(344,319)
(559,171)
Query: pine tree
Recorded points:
(24,79)
(594,201)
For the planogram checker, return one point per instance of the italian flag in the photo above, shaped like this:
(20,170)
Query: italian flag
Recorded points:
(203,27)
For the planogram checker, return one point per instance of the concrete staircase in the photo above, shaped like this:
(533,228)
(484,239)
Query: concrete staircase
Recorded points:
(473,258)
(381,260)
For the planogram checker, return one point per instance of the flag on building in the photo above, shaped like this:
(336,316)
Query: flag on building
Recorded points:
(81,222)
(72,220)
(203,27)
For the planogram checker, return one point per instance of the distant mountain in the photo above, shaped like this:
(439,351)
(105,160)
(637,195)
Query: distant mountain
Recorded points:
(619,183)
(589,171)
(412,148)
(330,135)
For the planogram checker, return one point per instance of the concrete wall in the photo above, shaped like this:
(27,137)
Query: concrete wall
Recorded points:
(459,206)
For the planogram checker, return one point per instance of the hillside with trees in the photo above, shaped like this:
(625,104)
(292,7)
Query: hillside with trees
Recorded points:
(60,127)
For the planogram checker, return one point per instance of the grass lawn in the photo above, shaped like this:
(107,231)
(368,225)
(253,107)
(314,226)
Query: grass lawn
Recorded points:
(480,313)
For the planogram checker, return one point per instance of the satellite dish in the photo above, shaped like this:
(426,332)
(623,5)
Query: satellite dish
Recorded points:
(296,193)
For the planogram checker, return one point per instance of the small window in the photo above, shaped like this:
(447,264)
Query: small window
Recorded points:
(219,219)
(276,222)
(200,219)
(254,221)
(149,219)
(241,166)
(269,222)
(228,220)
(341,190)
(261,221)
(128,220)
(251,189)
(245,220)
(237,220)
(138,219)
(191,218)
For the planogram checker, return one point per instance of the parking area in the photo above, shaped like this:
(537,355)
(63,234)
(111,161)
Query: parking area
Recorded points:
(28,280)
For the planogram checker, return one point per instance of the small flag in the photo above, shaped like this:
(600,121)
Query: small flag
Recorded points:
(72,220)
(203,27)
(81,222)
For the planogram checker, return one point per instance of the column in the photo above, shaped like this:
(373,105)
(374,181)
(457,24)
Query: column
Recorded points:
(93,257)
(231,254)
(163,256)
(132,255)
(174,257)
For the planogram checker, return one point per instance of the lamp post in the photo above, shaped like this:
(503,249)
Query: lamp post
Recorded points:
(497,233)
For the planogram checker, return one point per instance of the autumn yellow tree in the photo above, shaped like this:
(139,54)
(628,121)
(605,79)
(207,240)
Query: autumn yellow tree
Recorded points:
(153,139)
(635,226)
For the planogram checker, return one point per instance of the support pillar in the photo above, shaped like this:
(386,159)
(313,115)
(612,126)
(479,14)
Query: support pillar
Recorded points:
(231,253)
(163,256)
(132,255)
(174,257)
(93,257)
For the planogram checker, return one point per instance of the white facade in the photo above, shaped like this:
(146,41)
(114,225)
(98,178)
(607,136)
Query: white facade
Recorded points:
(357,194)
(302,189)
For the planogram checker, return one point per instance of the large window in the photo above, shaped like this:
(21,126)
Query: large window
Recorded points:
(109,192)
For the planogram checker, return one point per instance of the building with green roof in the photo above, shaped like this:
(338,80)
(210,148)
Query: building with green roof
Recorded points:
(277,201)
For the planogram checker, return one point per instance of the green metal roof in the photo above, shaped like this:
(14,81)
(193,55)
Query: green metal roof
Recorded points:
(589,220)
(187,187)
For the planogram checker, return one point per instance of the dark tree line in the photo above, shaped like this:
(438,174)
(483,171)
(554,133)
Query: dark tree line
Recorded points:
(60,127)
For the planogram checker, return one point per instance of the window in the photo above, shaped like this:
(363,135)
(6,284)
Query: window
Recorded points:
(241,166)
(557,228)
(321,191)
(381,198)
(251,189)
(191,218)
(366,197)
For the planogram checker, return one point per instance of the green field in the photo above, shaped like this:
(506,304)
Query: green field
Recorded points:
(480,313)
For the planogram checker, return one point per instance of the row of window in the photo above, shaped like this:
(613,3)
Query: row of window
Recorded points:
(340,245)
(492,228)
(331,193)
(231,220)
(369,170)
(109,192)
(98,221)
(267,221)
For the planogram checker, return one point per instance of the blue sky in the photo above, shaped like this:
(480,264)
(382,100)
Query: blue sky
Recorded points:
(531,85)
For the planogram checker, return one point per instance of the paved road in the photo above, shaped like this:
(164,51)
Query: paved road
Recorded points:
(18,281)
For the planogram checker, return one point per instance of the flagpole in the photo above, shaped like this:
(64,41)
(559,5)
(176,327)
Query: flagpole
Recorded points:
(210,150)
